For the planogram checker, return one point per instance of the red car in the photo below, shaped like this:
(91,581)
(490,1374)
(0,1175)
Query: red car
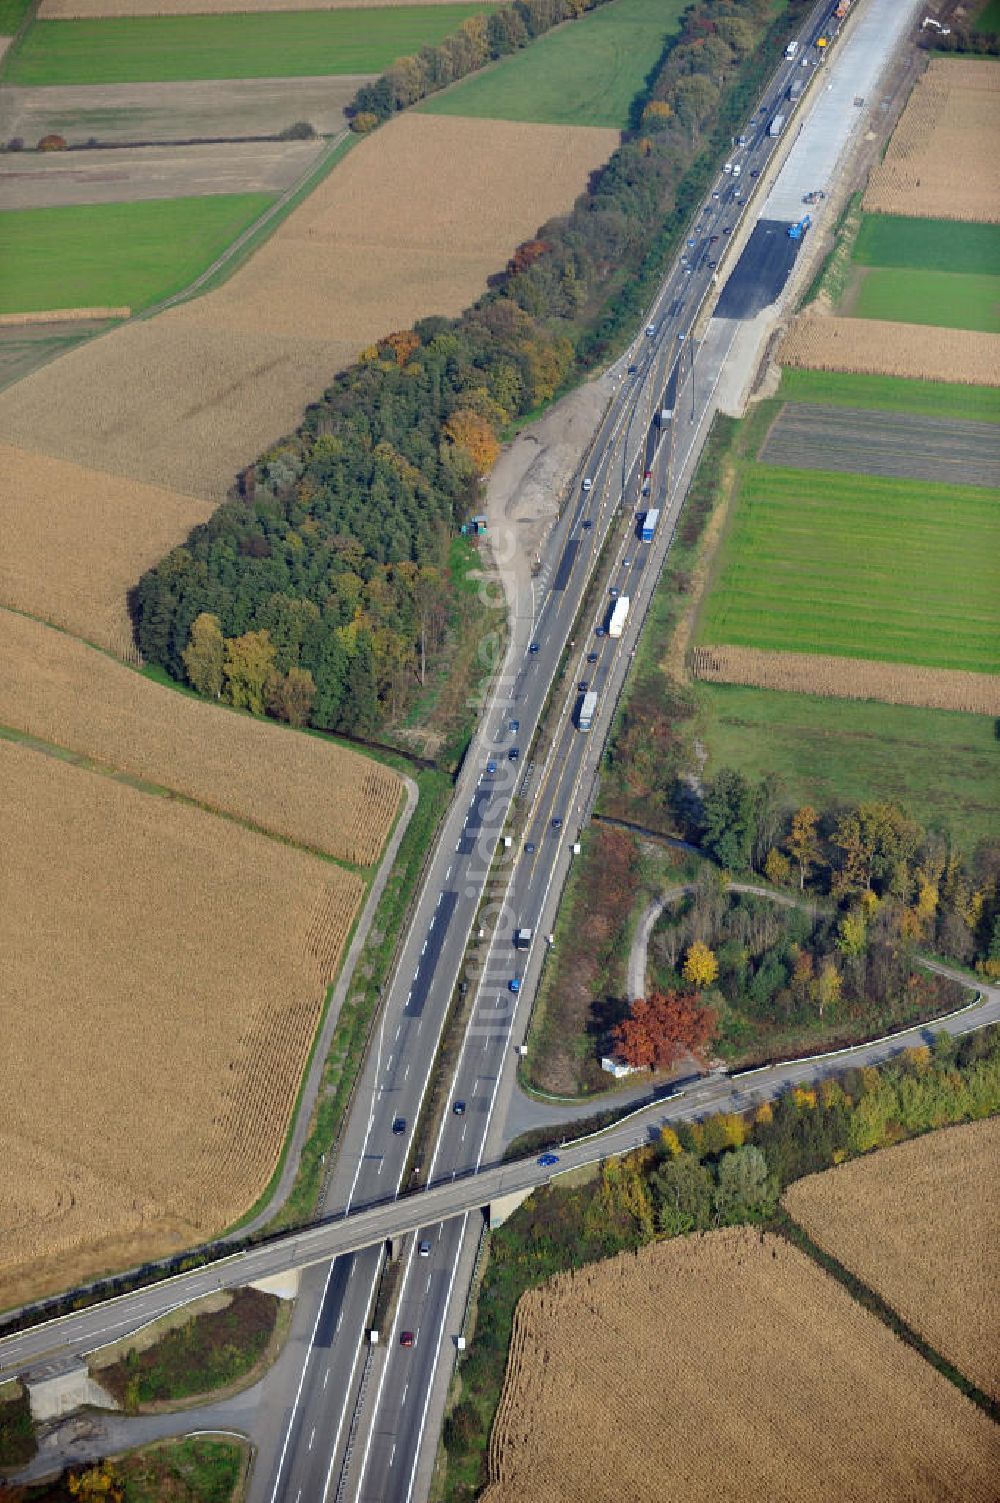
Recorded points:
(407,1338)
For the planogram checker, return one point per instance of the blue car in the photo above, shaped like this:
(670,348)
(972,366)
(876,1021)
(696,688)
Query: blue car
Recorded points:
(533,647)
(547,1160)
(514,984)
(491,768)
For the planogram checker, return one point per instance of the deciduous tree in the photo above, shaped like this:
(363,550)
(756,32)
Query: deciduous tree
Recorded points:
(803,841)
(204,654)
(248,664)
(664,1026)
(700,965)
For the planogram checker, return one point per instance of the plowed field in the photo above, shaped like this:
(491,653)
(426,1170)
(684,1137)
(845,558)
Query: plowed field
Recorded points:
(162,988)
(873,347)
(920,1224)
(411,223)
(725,1366)
(868,442)
(326,797)
(942,160)
(849,678)
(75,541)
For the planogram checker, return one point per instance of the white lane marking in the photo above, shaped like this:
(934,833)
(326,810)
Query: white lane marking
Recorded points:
(406,1072)
(447,874)
(400,1028)
(326,1375)
(298,1391)
(406,1390)
(392,1454)
(340,1321)
(312,1437)
(428,1289)
(438,903)
(425,947)
(430,1386)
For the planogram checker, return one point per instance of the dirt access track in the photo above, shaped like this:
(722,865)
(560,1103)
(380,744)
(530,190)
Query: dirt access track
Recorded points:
(219,109)
(130,173)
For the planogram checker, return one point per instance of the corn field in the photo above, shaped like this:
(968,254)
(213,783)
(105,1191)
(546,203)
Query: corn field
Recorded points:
(872,346)
(849,678)
(920,1224)
(725,1365)
(163,988)
(60,316)
(942,161)
(317,794)
(84,10)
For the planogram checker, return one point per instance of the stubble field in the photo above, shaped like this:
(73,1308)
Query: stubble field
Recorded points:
(76,541)
(411,223)
(724,1366)
(849,678)
(327,798)
(920,1224)
(875,347)
(941,162)
(167,986)
(82,10)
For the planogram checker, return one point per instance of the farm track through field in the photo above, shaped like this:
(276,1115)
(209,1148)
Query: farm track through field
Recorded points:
(725,1365)
(867,442)
(920,1224)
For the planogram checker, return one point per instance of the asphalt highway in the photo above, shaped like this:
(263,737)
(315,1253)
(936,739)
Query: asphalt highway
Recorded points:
(360,1416)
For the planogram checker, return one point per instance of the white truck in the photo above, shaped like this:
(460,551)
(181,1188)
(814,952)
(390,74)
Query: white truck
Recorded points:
(587,711)
(791,49)
(619,616)
(776,126)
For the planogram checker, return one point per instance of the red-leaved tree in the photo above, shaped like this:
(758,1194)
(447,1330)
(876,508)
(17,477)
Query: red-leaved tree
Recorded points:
(664,1026)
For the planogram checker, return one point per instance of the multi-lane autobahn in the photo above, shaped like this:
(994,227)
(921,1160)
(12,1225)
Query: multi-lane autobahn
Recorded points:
(358,1419)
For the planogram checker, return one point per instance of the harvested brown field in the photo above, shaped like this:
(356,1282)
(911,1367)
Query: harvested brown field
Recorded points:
(77,540)
(81,10)
(942,161)
(131,174)
(61,316)
(849,678)
(326,798)
(876,347)
(189,111)
(724,1366)
(163,987)
(410,223)
(920,1224)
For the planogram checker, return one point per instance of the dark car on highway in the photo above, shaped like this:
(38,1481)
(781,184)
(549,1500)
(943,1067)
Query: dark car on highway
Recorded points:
(459,1108)
(407,1338)
(587,524)
(534,647)
(513,754)
(398,1126)
(582,685)
(547,1160)
(591,657)
(556,823)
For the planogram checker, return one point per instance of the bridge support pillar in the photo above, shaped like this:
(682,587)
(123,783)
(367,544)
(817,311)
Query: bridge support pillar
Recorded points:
(284,1285)
(61,1389)
(505,1205)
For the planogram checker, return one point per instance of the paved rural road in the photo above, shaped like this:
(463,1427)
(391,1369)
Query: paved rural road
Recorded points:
(380,1448)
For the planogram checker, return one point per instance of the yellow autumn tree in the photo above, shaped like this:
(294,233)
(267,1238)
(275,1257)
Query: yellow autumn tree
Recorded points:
(777,867)
(469,431)
(700,966)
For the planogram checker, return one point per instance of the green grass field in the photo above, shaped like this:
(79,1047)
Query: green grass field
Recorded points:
(928,244)
(988,19)
(939,298)
(860,566)
(587,72)
(11,15)
(942,399)
(156,49)
(940,765)
(110,255)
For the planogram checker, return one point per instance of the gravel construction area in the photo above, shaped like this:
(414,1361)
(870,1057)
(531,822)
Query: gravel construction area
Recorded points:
(56,179)
(223,109)
(864,442)
(942,161)
(721,1366)
(410,223)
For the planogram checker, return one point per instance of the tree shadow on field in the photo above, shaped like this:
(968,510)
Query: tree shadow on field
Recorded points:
(605,1014)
